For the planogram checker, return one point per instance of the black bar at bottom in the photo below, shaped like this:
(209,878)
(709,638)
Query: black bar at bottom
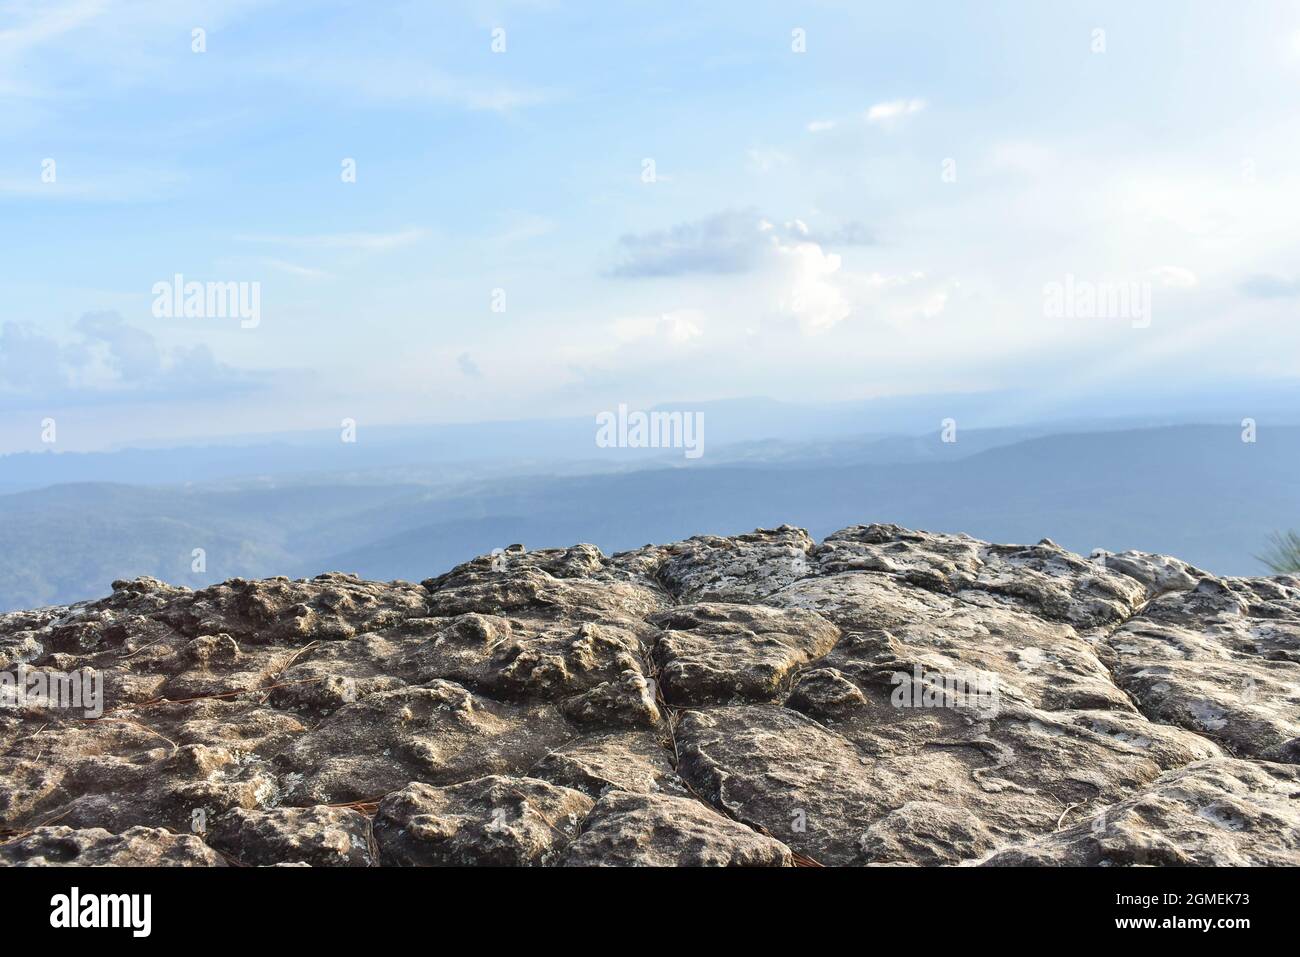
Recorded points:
(219,907)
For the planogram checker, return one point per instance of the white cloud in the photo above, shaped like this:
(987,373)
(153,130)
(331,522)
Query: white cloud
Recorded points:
(766,160)
(812,296)
(792,276)
(1175,276)
(676,328)
(814,289)
(882,114)
(885,112)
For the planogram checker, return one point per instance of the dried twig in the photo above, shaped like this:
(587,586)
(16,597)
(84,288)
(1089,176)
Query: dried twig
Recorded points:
(1068,809)
(19,834)
(143,727)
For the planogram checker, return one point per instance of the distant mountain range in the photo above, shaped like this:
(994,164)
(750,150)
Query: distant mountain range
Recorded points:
(1196,491)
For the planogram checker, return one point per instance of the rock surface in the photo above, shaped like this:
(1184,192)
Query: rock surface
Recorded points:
(886,696)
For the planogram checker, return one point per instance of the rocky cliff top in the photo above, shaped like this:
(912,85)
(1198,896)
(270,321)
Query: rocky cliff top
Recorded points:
(884,696)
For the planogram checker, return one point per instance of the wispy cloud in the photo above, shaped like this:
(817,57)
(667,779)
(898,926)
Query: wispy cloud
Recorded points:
(851,233)
(75,184)
(878,114)
(677,328)
(362,241)
(400,80)
(38,22)
(1263,286)
(293,269)
(765,159)
(1177,277)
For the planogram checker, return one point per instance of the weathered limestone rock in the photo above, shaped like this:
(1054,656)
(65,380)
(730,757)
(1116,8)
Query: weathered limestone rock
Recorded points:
(740,569)
(95,847)
(658,830)
(1012,776)
(886,696)
(1217,813)
(721,652)
(1044,578)
(826,694)
(633,761)
(439,732)
(628,699)
(280,611)
(493,820)
(1221,659)
(320,836)
(777,770)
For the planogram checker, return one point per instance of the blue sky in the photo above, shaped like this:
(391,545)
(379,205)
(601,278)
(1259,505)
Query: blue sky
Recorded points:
(799,239)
